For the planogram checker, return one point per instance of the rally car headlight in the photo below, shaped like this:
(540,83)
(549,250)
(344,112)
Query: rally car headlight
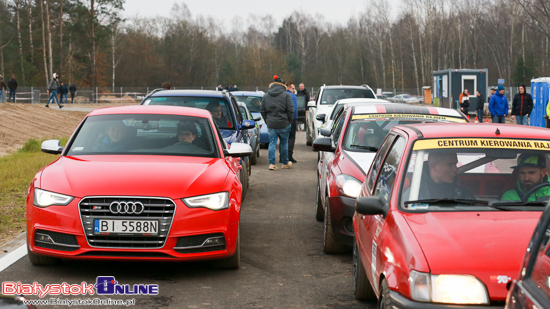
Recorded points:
(348,185)
(45,198)
(451,289)
(216,201)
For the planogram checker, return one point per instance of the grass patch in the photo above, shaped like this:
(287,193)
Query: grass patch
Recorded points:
(17,170)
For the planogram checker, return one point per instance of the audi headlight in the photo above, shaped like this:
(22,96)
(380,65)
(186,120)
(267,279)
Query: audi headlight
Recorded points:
(348,186)
(216,201)
(45,198)
(451,289)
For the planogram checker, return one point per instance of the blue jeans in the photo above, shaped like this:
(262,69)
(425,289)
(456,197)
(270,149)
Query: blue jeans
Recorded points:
(524,120)
(479,113)
(63,98)
(12,92)
(281,134)
(53,94)
(0,94)
(499,119)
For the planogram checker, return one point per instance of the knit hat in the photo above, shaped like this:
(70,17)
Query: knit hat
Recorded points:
(500,87)
(277,79)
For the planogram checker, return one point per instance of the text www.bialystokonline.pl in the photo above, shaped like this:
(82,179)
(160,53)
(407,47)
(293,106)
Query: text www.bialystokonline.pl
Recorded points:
(80,302)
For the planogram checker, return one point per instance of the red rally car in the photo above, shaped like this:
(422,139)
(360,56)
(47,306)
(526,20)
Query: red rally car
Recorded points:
(139,183)
(348,151)
(446,212)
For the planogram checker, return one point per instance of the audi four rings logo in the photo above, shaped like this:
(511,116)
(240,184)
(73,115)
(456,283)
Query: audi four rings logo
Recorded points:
(130,208)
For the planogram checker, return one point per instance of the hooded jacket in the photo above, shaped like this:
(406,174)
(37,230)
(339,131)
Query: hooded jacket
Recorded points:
(498,105)
(277,108)
(12,84)
(522,104)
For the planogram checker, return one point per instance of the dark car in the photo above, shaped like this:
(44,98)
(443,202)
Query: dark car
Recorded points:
(532,289)
(223,107)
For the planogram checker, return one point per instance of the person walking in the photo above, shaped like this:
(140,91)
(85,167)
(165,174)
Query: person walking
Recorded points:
(498,106)
(72,90)
(464,101)
(480,106)
(291,88)
(12,84)
(2,86)
(277,110)
(52,89)
(522,105)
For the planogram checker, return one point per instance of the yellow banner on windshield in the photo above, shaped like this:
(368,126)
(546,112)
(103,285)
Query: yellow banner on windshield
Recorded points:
(481,143)
(419,117)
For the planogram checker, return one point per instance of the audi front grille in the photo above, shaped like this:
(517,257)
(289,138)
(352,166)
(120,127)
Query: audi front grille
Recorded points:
(126,208)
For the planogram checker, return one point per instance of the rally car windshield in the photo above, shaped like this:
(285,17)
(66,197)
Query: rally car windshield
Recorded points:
(476,174)
(144,135)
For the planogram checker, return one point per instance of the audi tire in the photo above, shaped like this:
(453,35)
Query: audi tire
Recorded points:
(41,260)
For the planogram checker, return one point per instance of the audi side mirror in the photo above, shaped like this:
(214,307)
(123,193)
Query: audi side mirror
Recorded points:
(370,205)
(238,150)
(311,104)
(52,146)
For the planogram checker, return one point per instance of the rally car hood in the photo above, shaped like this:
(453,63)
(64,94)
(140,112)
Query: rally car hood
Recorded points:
(165,176)
(489,245)
(362,159)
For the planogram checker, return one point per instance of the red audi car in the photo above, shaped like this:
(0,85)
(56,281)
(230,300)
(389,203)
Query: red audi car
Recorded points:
(349,149)
(139,183)
(446,213)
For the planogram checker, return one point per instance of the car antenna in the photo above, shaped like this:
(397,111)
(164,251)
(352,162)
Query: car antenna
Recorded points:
(497,132)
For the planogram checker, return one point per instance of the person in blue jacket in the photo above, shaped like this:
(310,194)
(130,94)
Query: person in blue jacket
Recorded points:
(498,106)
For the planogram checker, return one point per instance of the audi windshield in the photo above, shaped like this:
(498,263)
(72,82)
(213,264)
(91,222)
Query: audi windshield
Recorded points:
(144,134)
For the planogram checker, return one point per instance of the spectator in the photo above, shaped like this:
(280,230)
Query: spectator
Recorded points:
(64,93)
(464,101)
(226,87)
(219,87)
(166,85)
(303,91)
(531,173)
(235,88)
(291,88)
(493,90)
(480,106)
(498,106)
(2,86)
(72,89)
(522,105)
(12,84)
(52,89)
(277,110)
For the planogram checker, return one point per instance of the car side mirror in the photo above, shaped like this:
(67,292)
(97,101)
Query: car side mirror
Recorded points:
(238,150)
(324,132)
(311,104)
(247,124)
(321,117)
(52,146)
(323,144)
(370,205)
(257,118)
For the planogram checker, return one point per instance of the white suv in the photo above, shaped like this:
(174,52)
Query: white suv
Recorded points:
(324,103)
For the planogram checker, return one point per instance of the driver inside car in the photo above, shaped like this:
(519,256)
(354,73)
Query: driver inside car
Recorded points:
(439,179)
(369,135)
(531,173)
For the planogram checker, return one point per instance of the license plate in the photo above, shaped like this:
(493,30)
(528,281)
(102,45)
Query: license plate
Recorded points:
(134,227)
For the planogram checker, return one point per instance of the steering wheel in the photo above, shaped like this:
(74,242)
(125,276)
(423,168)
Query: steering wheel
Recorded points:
(535,189)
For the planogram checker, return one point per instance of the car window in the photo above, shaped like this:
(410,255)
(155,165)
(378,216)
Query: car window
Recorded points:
(252,102)
(337,127)
(219,107)
(335,110)
(388,171)
(482,170)
(330,96)
(378,161)
(145,134)
(237,111)
(244,113)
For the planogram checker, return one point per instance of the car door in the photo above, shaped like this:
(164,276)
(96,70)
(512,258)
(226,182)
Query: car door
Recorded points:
(373,228)
(328,157)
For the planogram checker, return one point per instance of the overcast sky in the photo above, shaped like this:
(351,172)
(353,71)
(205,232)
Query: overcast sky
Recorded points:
(338,11)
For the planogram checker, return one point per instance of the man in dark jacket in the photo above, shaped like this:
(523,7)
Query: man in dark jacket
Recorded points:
(291,88)
(277,110)
(480,106)
(498,106)
(2,86)
(64,93)
(52,89)
(12,84)
(522,105)
(72,89)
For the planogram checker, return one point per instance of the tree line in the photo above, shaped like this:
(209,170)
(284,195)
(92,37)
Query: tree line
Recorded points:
(88,43)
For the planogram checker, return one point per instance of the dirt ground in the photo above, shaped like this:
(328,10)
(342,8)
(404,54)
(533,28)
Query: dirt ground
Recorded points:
(20,122)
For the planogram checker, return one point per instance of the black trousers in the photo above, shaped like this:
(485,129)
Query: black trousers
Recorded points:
(291,140)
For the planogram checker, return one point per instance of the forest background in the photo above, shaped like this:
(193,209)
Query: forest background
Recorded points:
(89,44)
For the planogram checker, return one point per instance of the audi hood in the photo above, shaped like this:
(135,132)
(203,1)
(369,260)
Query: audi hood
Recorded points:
(162,176)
